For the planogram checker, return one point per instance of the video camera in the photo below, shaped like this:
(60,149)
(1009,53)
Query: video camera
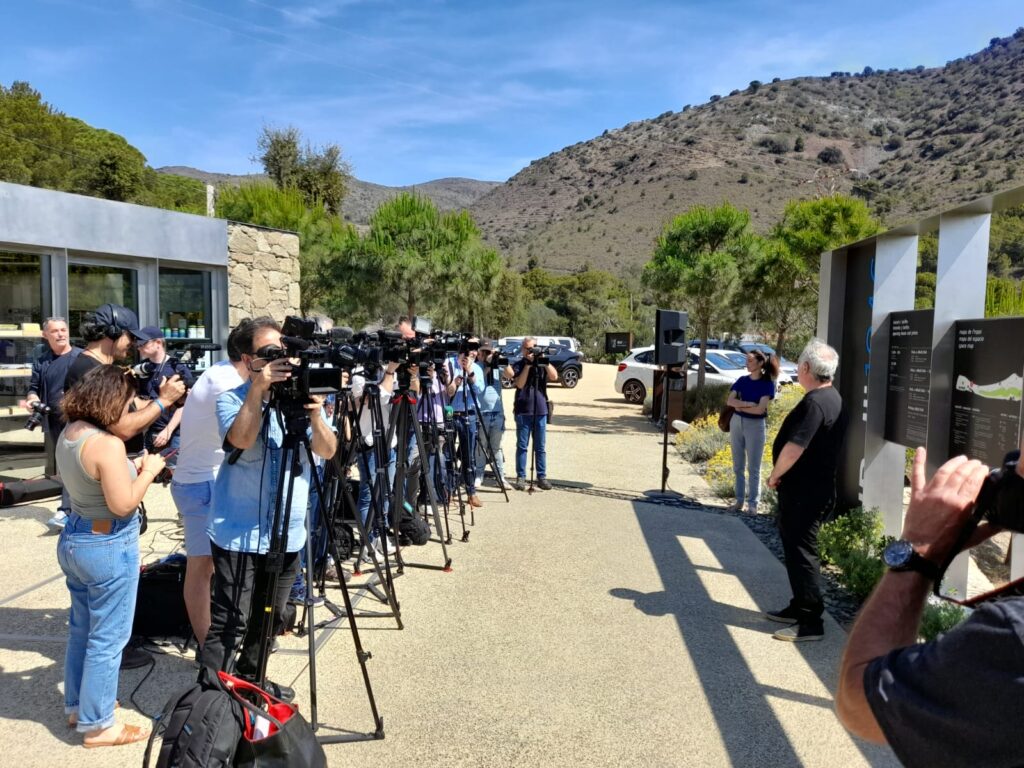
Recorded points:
(39,409)
(314,374)
(1001,498)
(190,358)
(542,355)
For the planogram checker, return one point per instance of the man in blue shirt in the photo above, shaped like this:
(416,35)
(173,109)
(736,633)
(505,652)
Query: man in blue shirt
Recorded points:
(466,379)
(492,414)
(244,495)
(163,433)
(47,385)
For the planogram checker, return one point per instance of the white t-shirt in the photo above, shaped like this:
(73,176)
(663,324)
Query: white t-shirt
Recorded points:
(201,452)
(365,422)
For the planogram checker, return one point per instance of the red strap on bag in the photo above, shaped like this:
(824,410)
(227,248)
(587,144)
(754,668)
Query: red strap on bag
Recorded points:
(257,703)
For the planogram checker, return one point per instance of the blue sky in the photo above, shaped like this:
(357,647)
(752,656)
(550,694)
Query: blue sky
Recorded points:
(423,89)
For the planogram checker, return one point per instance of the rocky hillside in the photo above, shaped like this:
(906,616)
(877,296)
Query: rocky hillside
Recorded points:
(363,197)
(908,141)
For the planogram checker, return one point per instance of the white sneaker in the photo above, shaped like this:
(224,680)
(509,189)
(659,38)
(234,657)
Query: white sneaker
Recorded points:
(58,521)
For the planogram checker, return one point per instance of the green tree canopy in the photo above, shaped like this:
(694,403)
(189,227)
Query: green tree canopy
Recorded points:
(321,174)
(697,259)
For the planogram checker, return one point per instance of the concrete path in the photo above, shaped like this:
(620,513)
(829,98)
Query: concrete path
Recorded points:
(582,626)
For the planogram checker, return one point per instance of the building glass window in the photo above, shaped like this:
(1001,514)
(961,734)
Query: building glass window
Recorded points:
(21,301)
(186,303)
(91,286)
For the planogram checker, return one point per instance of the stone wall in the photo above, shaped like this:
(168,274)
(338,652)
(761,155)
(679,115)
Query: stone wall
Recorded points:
(263,273)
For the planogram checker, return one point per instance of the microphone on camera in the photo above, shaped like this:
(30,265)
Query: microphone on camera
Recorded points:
(294,342)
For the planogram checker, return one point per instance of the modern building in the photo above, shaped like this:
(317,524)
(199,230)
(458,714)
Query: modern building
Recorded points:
(64,255)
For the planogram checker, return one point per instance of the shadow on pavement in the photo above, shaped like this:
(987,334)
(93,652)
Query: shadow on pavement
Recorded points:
(708,575)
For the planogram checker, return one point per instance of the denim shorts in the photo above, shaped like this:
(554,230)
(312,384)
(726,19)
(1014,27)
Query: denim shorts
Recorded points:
(193,502)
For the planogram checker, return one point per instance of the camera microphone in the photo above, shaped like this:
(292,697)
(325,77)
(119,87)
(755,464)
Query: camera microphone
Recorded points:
(342,333)
(294,342)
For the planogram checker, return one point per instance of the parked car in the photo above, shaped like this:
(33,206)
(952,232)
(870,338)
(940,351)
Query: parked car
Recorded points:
(545,341)
(787,368)
(635,376)
(568,363)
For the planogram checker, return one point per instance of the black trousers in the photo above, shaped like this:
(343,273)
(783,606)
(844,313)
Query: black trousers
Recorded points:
(236,610)
(799,520)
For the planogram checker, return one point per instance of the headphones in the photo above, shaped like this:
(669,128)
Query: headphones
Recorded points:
(112,331)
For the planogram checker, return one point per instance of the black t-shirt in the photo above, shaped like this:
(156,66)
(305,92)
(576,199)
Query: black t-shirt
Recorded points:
(956,700)
(81,366)
(818,425)
(532,399)
(48,376)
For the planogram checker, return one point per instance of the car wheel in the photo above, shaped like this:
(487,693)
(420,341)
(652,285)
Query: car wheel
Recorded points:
(570,377)
(634,392)
(507,383)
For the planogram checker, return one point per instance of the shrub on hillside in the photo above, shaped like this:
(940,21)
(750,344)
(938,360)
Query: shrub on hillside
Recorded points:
(831,155)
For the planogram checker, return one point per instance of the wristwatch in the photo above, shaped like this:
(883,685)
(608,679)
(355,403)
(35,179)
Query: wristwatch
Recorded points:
(900,556)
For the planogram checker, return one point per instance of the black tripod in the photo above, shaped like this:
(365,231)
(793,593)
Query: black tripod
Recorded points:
(488,450)
(294,420)
(404,419)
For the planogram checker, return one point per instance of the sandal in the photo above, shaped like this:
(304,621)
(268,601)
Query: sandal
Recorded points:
(129,735)
(73,717)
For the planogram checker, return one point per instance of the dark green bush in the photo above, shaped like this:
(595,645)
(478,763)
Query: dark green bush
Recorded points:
(704,402)
(856,529)
(940,617)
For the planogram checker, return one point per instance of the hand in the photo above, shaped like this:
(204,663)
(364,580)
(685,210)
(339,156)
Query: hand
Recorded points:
(161,438)
(392,367)
(171,389)
(940,507)
(316,402)
(773,481)
(153,463)
(272,372)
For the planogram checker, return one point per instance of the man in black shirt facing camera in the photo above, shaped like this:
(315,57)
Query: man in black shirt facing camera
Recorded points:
(531,412)
(805,455)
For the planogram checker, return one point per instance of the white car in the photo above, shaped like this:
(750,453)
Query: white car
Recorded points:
(635,377)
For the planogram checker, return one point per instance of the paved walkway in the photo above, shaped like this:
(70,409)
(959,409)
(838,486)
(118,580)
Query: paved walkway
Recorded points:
(581,626)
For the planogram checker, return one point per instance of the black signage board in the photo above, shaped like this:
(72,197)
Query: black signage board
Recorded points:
(909,377)
(618,342)
(988,365)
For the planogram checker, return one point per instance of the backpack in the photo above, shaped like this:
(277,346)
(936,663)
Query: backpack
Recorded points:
(160,607)
(200,727)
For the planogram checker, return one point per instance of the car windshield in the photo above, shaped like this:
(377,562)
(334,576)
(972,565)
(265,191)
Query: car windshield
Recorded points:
(724,362)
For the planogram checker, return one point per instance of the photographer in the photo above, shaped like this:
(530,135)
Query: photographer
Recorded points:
(954,700)
(197,465)
(244,497)
(47,384)
(367,456)
(465,374)
(492,413)
(531,411)
(162,433)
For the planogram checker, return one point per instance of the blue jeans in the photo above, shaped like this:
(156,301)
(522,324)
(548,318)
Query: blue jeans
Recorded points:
(465,426)
(747,437)
(524,426)
(494,428)
(102,574)
(367,475)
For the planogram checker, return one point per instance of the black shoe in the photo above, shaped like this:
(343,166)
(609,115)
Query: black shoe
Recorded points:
(133,658)
(543,484)
(520,484)
(801,633)
(786,616)
(282,692)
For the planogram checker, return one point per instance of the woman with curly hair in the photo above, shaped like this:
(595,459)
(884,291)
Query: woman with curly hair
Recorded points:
(98,550)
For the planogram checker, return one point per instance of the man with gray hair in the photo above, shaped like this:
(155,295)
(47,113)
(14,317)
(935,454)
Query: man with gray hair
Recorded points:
(805,455)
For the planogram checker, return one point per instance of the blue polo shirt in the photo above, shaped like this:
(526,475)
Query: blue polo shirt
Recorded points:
(751,391)
(244,492)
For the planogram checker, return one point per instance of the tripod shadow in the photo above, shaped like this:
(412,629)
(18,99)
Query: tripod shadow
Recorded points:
(33,644)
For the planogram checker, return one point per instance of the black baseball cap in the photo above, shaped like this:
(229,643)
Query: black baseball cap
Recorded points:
(148,333)
(115,314)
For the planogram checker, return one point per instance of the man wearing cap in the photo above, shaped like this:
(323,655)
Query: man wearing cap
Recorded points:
(162,434)
(108,333)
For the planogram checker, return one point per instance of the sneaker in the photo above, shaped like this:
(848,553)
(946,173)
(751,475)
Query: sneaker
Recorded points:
(786,616)
(58,521)
(543,484)
(520,484)
(133,657)
(503,484)
(479,481)
(800,633)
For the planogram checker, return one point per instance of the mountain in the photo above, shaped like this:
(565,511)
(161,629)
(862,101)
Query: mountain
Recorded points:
(363,197)
(911,142)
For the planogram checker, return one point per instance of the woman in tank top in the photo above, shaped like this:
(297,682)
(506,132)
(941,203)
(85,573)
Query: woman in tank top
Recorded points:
(99,550)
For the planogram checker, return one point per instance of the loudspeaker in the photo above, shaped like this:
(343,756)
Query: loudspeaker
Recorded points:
(670,337)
